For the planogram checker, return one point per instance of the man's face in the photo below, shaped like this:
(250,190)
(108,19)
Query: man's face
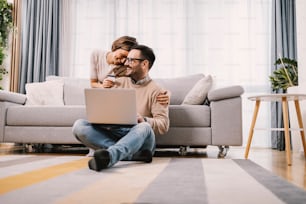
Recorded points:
(119,56)
(134,62)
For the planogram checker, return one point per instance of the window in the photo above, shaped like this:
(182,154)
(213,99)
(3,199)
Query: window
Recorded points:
(228,39)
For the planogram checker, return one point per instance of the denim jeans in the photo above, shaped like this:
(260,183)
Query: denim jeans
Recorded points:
(122,142)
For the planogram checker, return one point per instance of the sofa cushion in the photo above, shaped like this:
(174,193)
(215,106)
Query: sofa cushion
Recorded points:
(198,93)
(44,93)
(179,86)
(44,115)
(179,115)
(189,116)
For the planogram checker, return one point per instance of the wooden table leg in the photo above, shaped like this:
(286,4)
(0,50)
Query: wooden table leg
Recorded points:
(300,120)
(257,104)
(286,126)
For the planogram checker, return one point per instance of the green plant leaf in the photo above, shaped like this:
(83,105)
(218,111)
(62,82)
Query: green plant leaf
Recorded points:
(6,25)
(286,75)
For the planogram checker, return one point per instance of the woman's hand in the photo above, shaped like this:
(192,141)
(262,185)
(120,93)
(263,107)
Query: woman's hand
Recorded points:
(163,98)
(120,70)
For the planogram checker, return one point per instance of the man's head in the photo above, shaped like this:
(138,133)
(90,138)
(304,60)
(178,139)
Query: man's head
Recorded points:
(121,48)
(139,61)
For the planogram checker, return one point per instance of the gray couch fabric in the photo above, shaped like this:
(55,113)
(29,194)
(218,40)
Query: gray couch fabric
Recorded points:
(217,123)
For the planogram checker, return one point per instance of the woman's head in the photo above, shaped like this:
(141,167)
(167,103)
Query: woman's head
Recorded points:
(121,48)
(124,42)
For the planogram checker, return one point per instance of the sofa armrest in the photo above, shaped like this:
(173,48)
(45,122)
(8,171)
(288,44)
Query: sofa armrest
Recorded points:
(8,99)
(12,97)
(226,121)
(226,115)
(225,93)
(4,105)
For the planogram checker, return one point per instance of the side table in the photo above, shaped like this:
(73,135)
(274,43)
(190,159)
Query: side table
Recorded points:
(284,98)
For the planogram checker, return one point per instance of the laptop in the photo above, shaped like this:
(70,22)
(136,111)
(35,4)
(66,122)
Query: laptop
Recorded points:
(111,106)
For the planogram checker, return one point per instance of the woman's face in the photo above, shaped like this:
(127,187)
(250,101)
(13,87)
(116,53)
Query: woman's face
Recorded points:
(119,56)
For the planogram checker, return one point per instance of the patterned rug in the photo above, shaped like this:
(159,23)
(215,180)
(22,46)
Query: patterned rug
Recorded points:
(66,179)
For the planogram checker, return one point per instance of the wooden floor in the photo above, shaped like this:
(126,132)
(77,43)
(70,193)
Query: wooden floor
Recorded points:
(272,160)
(275,161)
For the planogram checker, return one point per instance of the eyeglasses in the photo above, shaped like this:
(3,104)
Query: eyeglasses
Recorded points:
(132,60)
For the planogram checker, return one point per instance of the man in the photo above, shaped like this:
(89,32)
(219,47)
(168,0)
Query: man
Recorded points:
(129,142)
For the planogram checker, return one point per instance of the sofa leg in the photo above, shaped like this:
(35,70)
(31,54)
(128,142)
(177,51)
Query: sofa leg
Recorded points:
(183,150)
(27,148)
(37,148)
(223,151)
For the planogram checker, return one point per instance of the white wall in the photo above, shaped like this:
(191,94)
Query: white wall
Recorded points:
(301,48)
(301,39)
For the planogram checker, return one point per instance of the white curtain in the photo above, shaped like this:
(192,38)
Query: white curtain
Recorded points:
(229,39)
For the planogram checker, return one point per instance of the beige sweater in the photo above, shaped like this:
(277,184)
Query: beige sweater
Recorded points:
(99,68)
(147,106)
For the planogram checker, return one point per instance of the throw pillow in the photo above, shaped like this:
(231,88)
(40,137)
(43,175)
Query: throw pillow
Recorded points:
(45,93)
(198,93)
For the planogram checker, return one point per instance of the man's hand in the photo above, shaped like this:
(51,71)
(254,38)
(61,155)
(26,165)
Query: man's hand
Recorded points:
(109,82)
(140,118)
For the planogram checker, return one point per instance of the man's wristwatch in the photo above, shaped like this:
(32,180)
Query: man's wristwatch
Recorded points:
(145,119)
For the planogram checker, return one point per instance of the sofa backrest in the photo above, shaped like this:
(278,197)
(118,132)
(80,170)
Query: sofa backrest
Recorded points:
(178,87)
(73,89)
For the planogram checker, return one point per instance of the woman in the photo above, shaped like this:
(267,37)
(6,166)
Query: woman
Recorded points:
(104,63)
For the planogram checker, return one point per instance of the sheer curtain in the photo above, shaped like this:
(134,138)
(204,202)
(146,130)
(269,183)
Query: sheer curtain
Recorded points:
(227,39)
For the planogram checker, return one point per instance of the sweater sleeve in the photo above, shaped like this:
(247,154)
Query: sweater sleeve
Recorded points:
(157,115)
(99,68)
(160,116)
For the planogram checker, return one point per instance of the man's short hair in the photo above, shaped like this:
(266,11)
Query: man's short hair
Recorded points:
(146,53)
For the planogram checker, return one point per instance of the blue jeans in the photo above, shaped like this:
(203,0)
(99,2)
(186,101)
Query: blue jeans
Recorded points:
(122,142)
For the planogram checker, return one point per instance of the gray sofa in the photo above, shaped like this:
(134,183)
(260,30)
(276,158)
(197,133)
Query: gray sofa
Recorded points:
(217,122)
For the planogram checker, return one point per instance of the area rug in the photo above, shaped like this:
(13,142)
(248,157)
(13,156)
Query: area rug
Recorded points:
(66,179)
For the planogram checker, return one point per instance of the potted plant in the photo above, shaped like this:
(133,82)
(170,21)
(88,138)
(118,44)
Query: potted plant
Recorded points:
(6,24)
(286,76)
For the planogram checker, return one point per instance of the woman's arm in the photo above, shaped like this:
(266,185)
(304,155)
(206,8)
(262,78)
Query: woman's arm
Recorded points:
(94,83)
(163,98)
